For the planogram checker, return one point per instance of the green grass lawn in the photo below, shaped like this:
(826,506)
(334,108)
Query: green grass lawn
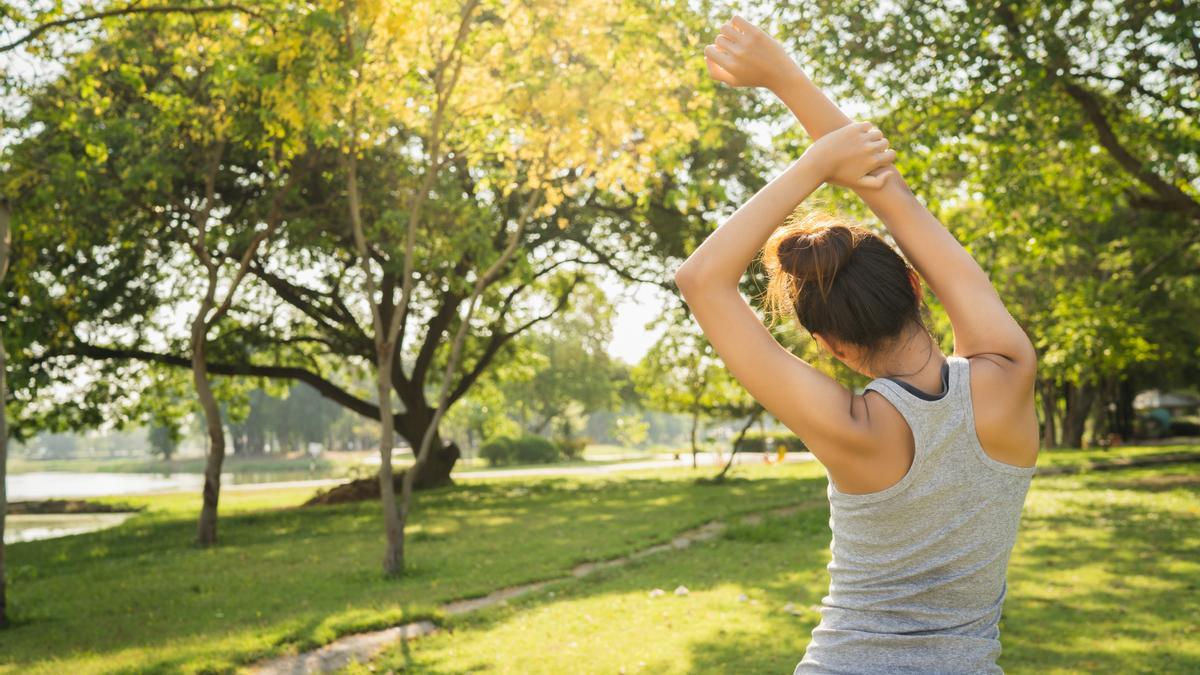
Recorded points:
(140,598)
(1103,579)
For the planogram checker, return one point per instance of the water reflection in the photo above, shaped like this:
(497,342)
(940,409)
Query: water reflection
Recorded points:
(63,484)
(20,528)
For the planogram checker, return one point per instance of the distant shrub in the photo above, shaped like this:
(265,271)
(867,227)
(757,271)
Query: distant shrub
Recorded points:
(497,451)
(756,441)
(533,449)
(572,448)
(527,449)
(1183,427)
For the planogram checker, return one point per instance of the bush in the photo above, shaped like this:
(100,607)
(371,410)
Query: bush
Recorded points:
(531,449)
(528,449)
(756,441)
(497,451)
(572,448)
(1183,427)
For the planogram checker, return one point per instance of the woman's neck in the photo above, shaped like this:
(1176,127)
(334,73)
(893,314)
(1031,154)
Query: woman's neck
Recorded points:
(917,360)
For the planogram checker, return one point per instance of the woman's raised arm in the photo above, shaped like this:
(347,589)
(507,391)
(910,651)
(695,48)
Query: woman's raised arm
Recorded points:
(744,55)
(823,413)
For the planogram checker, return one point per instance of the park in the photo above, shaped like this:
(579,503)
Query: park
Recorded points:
(350,335)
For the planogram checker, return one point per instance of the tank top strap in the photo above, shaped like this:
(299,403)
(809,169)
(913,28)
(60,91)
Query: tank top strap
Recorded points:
(922,409)
(960,381)
(905,396)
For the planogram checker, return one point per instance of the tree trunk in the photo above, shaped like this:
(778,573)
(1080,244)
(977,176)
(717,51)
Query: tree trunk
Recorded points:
(393,556)
(4,243)
(695,423)
(737,442)
(1049,410)
(540,427)
(1079,404)
(237,434)
(3,461)
(256,441)
(1124,414)
(206,532)
(363,489)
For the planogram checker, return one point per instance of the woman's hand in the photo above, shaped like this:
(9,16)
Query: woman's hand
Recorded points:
(854,156)
(744,56)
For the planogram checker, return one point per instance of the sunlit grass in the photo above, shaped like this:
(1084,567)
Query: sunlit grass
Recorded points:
(1103,579)
(1106,563)
(140,598)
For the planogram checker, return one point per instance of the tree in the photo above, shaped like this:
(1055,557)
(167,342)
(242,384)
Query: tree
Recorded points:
(4,245)
(1049,136)
(567,371)
(617,177)
(515,62)
(682,374)
(37,25)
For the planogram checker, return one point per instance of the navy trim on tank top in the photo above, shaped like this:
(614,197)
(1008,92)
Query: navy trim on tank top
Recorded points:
(922,395)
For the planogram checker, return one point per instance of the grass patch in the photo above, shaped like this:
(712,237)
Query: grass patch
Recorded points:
(1103,580)
(140,598)
(1106,566)
(1074,457)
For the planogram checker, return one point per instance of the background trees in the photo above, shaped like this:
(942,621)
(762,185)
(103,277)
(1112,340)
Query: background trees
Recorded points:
(420,194)
(1057,140)
(435,179)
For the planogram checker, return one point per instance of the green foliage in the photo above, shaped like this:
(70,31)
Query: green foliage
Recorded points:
(164,438)
(630,430)
(525,449)
(497,451)
(108,159)
(534,449)
(572,447)
(560,371)
(1048,136)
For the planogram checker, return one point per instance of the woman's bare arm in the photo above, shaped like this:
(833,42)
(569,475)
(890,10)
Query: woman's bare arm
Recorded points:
(830,420)
(749,57)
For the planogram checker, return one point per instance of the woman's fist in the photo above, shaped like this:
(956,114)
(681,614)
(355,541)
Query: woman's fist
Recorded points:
(744,56)
(855,156)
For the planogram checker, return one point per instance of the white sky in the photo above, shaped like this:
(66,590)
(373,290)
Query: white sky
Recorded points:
(636,306)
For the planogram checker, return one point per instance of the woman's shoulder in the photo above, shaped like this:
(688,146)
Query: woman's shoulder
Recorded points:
(1004,409)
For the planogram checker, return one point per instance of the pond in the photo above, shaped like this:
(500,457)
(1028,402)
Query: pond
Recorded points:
(62,484)
(83,485)
(65,484)
(21,528)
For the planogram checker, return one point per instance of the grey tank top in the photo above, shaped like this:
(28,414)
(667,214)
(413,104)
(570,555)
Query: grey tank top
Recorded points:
(917,576)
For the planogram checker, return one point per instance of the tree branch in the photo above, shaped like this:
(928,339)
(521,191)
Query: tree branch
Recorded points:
(37,31)
(325,387)
(499,338)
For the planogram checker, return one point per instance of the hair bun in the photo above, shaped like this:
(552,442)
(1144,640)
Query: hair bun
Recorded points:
(815,255)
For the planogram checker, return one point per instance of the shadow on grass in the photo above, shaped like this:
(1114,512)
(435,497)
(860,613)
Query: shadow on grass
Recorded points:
(1109,586)
(750,555)
(142,594)
(1104,579)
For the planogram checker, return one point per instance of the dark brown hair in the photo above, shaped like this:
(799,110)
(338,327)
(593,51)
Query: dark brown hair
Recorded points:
(840,280)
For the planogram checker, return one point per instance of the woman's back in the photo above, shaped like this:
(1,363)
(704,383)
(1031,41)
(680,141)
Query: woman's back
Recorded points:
(917,578)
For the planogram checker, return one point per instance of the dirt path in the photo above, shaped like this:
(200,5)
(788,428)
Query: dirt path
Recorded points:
(362,647)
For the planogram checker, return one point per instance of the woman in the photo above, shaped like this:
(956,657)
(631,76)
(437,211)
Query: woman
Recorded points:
(928,468)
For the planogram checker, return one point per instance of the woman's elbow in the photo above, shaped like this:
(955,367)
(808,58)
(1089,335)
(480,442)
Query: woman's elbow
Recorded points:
(686,278)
